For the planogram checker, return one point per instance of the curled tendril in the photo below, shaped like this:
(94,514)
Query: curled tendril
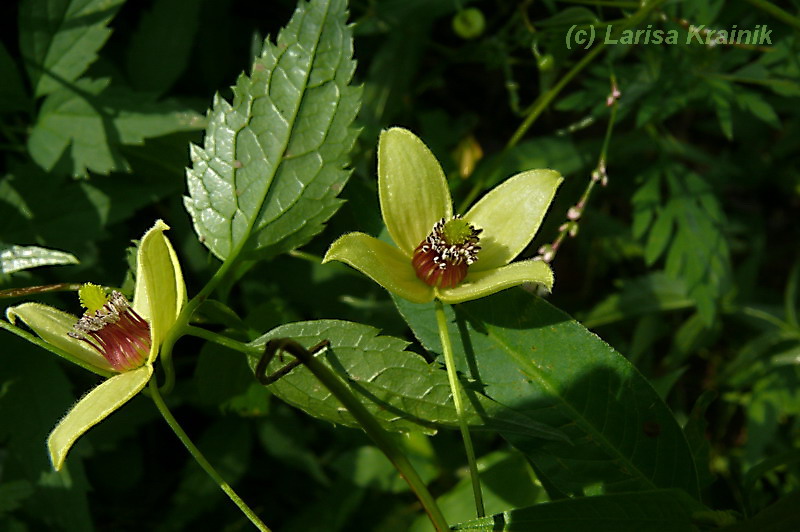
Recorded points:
(301,354)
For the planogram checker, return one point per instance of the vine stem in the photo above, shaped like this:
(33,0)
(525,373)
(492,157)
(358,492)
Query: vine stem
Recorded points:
(182,321)
(455,389)
(364,417)
(359,412)
(200,459)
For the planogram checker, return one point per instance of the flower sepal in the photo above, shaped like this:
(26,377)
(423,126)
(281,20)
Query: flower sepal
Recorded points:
(113,336)
(439,255)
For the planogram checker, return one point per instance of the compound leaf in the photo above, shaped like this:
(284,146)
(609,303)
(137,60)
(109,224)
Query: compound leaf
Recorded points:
(94,120)
(59,39)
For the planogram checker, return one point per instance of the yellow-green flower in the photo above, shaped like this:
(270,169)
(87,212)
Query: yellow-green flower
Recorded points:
(439,255)
(112,335)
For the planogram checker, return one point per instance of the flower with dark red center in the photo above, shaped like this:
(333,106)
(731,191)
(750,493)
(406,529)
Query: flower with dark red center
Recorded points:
(439,255)
(112,337)
(442,259)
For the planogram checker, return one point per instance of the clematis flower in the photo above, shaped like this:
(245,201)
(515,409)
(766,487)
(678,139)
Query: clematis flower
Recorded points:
(437,254)
(112,335)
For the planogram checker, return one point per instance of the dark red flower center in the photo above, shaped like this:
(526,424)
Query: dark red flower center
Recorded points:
(117,332)
(443,258)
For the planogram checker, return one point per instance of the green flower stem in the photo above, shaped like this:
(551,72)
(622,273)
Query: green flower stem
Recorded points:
(198,456)
(777,12)
(532,114)
(370,426)
(222,340)
(455,388)
(356,409)
(304,255)
(544,100)
(42,289)
(53,349)
(182,322)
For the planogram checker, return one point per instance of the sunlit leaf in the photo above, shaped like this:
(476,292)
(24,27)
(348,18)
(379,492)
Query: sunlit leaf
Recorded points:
(59,39)
(401,389)
(17,258)
(536,360)
(273,161)
(94,120)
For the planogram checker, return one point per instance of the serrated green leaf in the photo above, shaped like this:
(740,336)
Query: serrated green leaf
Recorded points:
(59,39)
(274,160)
(159,49)
(94,120)
(400,388)
(654,511)
(18,258)
(68,118)
(531,357)
(403,391)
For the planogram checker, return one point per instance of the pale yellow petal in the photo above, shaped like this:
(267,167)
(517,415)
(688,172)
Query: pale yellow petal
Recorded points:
(52,326)
(481,284)
(160,289)
(93,408)
(382,263)
(412,188)
(510,214)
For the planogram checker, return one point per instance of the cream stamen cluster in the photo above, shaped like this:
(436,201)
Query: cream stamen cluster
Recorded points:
(117,332)
(442,259)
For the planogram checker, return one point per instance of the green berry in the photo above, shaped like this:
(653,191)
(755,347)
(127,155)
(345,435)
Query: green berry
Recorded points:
(469,23)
